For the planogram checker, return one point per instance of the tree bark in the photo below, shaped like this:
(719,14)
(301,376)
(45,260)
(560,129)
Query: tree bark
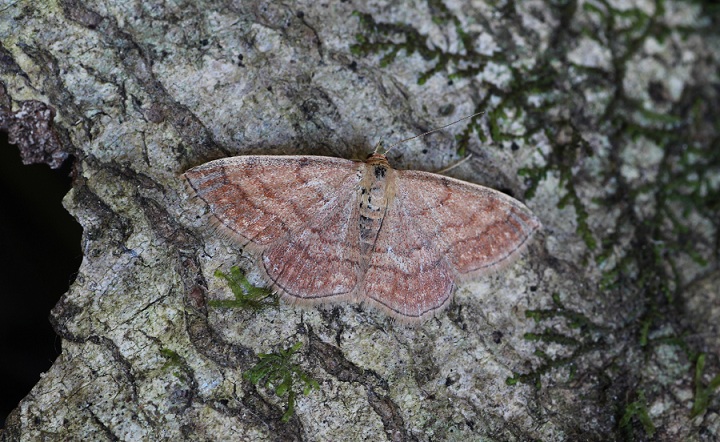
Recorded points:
(602,119)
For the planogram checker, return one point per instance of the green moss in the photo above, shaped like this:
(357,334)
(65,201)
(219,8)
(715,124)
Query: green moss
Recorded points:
(535,376)
(247,296)
(637,410)
(649,265)
(281,375)
(573,319)
(549,336)
(703,393)
(413,42)
(176,363)
(590,339)
(561,162)
(394,39)
(173,359)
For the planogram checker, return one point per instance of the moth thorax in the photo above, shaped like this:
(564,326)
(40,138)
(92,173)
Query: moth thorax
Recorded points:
(375,195)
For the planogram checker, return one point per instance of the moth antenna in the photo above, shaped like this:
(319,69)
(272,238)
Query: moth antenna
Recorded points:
(456,164)
(426,133)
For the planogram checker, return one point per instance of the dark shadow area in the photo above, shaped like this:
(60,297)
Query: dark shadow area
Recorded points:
(39,257)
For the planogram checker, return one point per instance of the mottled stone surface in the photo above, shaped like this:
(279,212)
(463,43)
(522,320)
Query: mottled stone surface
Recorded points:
(600,117)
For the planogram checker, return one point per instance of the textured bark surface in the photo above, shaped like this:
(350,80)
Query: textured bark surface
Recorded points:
(602,117)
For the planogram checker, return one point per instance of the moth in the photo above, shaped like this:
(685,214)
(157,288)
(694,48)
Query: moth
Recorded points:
(325,229)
